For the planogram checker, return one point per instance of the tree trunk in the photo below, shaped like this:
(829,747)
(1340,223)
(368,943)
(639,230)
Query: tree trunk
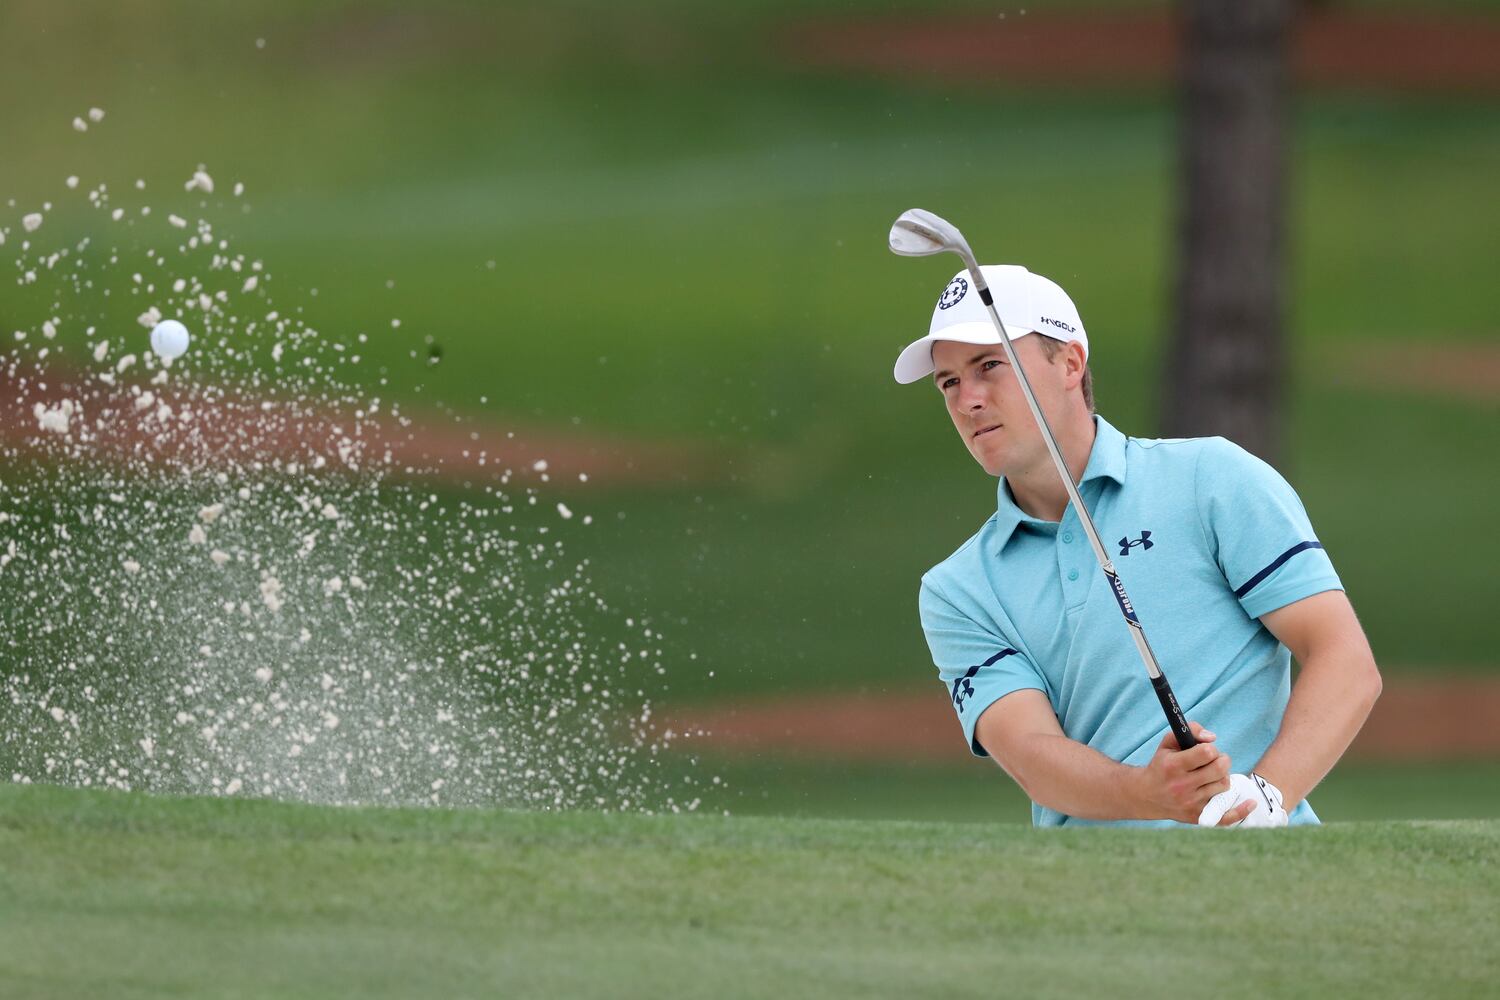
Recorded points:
(1226,363)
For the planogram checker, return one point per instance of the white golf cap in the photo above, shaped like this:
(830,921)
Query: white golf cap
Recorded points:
(1027,303)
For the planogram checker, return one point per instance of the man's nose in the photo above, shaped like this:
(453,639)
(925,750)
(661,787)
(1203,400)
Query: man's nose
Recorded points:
(971,396)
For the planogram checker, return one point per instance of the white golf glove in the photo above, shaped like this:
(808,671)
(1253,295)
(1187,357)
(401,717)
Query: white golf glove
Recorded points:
(1246,788)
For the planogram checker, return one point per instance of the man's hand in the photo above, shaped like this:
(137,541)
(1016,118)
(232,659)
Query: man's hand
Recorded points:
(1263,799)
(1179,784)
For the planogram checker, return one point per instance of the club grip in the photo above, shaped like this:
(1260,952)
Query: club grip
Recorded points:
(1175,718)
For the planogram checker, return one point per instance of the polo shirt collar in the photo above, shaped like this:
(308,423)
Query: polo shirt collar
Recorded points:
(1106,460)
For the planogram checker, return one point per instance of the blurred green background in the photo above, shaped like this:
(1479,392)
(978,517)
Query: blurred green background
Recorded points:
(661,222)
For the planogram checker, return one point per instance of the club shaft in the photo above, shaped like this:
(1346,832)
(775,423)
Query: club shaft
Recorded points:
(1164,694)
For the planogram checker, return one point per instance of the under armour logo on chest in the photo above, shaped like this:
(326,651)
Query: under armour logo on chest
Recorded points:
(1126,544)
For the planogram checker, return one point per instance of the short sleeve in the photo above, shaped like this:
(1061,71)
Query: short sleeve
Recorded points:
(1258,530)
(977,667)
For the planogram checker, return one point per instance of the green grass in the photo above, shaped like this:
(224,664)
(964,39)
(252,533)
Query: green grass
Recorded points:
(134,896)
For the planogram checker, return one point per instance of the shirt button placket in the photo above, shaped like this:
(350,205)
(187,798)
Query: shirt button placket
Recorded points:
(1069,557)
(1066,556)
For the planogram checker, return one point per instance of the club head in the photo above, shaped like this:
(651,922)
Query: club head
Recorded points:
(919,233)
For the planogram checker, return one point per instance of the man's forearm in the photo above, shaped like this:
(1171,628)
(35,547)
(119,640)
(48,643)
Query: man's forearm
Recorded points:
(1022,734)
(1330,701)
(1077,780)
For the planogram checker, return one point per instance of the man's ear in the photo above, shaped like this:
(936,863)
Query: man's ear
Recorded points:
(1075,363)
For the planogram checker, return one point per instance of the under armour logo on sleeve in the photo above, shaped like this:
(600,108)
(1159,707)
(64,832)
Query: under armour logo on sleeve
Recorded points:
(963,690)
(1144,542)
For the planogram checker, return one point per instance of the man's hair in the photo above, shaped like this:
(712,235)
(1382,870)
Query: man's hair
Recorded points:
(1050,347)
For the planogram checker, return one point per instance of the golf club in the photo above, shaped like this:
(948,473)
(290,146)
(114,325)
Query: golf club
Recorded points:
(919,233)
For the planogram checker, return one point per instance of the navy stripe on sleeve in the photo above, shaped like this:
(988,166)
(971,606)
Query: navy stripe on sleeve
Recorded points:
(962,689)
(1275,565)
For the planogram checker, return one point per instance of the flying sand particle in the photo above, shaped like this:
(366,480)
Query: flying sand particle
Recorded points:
(56,418)
(270,593)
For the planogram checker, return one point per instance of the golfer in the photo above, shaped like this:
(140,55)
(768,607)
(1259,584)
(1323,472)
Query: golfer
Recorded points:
(1217,555)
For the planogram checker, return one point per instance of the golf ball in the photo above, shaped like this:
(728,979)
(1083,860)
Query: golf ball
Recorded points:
(169,339)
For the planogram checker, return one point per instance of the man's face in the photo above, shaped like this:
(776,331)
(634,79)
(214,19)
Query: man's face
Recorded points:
(985,401)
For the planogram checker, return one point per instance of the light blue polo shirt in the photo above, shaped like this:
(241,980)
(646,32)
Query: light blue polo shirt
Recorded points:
(1206,538)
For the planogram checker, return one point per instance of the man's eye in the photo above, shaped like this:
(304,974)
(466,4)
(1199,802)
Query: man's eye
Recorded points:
(948,383)
(992,363)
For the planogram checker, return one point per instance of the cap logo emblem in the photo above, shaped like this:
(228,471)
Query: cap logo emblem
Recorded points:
(1058,323)
(953,294)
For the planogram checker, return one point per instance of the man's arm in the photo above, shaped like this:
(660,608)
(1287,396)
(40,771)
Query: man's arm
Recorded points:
(1020,731)
(1332,697)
